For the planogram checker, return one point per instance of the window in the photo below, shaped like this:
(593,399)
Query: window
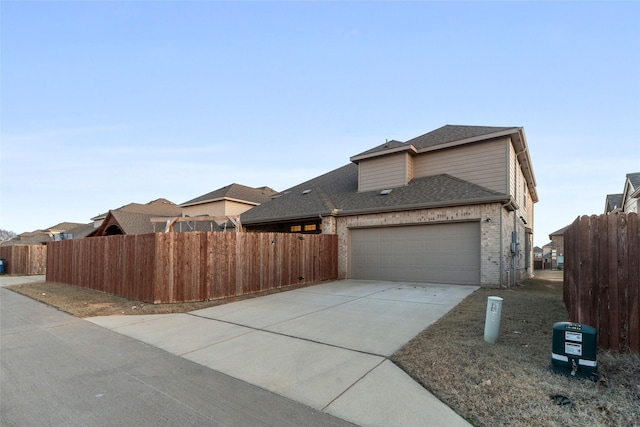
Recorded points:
(295,228)
(310,227)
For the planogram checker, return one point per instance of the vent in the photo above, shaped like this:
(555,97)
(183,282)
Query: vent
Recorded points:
(385,192)
(306,192)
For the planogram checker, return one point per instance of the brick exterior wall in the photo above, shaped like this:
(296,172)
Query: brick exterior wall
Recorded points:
(490,221)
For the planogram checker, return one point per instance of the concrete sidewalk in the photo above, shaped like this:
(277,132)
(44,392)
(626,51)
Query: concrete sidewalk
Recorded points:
(325,346)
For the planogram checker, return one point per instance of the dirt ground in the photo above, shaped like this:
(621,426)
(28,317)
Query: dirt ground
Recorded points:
(502,384)
(82,302)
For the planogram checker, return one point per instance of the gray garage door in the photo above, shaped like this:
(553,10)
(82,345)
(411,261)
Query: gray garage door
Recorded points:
(437,253)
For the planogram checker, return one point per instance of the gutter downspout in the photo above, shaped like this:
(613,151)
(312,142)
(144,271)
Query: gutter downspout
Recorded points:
(514,254)
(502,245)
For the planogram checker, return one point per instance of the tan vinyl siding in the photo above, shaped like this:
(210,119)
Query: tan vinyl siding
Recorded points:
(211,209)
(483,163)
(217,208)
(383,172)
(236,208)
(409,163)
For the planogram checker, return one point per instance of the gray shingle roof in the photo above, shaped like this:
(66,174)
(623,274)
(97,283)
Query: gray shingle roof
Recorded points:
(613,201)
(634,179)
(134,222)
(451,133)
(235,191)
(336,192)
(158,207)
(445,134)
(65,226)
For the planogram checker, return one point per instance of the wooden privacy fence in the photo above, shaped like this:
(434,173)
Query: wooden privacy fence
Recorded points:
(24,259)
(602,277)
(194,266)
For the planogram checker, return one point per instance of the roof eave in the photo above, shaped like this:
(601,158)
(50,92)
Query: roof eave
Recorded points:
(429,205)
(408,148)
(522,153)
(477,138)
(341,212)
(285,218)
(219,199)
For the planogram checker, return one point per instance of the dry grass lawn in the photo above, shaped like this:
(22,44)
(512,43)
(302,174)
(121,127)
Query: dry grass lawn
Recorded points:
(509,383)
(504,384)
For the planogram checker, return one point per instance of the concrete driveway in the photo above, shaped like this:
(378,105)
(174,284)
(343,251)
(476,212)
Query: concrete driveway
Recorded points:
(325,346)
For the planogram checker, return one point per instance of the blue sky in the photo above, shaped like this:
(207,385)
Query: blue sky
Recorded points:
(104,103)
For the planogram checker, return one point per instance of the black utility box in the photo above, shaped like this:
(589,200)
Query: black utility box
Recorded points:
(574,350)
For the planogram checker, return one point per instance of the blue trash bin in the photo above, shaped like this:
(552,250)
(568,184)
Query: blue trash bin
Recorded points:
(2,263)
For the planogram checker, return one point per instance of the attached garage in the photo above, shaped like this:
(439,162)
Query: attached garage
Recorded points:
(434,253)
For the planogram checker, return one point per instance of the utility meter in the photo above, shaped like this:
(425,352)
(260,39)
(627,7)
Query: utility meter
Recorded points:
(574,350)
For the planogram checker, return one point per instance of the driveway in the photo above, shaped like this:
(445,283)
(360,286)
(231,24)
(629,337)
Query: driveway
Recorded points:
(59,370)
(326,346)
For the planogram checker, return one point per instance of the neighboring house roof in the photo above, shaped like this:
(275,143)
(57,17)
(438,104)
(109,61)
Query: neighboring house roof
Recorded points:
(613,202)
(80,231)
(236,192)
(64,227)
(558,232)
(632,186)
(128,222)
(140,223)
(634,179)
(158,207)
(39,237)
(336,193)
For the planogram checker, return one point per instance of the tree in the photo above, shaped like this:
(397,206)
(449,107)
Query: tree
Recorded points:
(6,235)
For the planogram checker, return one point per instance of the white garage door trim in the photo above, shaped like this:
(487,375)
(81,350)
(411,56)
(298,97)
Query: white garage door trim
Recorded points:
(433,253)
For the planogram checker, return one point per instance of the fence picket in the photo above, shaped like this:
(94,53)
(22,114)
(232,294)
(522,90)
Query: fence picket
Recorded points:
(195,266)
(602,278)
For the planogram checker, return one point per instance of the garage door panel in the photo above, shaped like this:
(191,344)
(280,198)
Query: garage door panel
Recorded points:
(443,253)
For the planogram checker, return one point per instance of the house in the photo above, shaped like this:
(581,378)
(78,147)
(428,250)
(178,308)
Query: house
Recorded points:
(538,258)
(227,203)
(134,218)
(557,248)
(454,205)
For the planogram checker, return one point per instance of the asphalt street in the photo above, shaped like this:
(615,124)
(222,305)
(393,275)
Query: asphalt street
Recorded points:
(59,370)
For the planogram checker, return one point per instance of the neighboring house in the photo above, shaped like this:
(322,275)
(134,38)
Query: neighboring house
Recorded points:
(627,201)
(547,254)
(134,218)
(538,259)
(557,248)
(631,193)
(227,203)
(452,206)
(41,237)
